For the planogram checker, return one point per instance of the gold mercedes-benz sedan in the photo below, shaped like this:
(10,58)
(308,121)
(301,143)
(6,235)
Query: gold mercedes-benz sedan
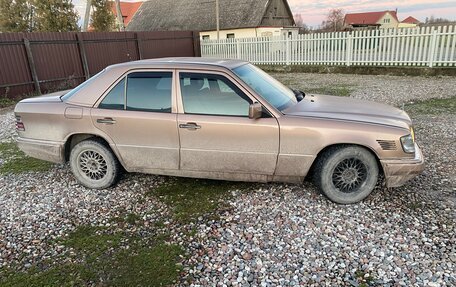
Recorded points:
(218,119)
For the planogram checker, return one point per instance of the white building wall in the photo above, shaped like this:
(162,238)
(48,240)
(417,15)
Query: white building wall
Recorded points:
(251,32)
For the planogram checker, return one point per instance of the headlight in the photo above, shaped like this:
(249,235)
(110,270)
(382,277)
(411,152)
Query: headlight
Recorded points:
(408,144)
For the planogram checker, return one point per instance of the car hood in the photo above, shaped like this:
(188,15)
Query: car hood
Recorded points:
(48,98)
(342,108)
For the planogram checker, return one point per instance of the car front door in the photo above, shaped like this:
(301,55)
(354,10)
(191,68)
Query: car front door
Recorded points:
(139,115)
(215,131)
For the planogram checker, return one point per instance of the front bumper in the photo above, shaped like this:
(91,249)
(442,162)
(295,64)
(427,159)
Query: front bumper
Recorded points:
(399,171)
(45,150)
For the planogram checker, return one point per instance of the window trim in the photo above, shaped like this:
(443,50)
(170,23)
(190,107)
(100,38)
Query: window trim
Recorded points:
(125,76)
(180,102)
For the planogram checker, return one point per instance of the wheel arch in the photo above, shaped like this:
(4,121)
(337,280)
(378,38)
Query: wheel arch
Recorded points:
(339,145)
(76,138)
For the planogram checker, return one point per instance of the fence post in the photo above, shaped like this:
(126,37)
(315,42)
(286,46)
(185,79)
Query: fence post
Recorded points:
(287,51)
(196,44)
(83,55)
(349,52)
(31,64)
(238,49)
(432,48)
(138,47)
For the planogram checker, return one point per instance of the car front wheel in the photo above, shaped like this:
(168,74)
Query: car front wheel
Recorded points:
(94,165)
(346,174)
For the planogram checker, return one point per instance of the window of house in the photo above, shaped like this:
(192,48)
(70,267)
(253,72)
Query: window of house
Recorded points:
(149,91)
(206,37)
(230,36)
(210,94)
(386,20)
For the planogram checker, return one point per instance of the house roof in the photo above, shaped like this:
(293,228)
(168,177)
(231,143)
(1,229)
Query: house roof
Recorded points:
(367,18)
(197,15)
(410,20)
(128,9)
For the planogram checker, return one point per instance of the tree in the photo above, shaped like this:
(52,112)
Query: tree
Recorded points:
(55,16)
(334,21)
(103,19)
(303,28)
(15,16)
(433,20)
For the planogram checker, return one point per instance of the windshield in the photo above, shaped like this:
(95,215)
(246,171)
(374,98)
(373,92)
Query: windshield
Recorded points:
(266,86)
(75,90)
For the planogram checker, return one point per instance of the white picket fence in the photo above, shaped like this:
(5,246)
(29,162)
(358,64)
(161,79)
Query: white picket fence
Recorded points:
(425,46)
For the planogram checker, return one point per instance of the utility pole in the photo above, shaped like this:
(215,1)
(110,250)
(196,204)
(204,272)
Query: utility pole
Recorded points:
(85,25)
(119,16)
(217,15)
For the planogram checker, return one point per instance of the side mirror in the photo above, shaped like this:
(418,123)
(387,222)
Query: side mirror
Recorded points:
(255,111)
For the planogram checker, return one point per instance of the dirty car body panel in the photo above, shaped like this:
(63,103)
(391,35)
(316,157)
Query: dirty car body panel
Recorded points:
(188,138)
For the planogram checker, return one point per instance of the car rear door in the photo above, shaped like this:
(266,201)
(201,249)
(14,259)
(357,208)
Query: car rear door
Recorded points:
(216,134)
(139,115)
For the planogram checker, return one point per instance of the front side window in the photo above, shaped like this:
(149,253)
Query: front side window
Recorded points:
(208,94)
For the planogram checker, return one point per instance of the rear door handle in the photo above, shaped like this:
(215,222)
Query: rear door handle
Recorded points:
(190,126)
(107,121)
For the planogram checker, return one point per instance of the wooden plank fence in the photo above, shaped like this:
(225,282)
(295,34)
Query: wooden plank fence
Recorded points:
(422,46)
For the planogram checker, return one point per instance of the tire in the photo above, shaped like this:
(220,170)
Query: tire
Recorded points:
(346,174)
(94,165)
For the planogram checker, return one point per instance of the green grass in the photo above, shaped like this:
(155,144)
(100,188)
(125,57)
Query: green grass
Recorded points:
(17,162)
(432,107)
(91,239)
(5,102)
(103,262)
(190,198)
(363,281)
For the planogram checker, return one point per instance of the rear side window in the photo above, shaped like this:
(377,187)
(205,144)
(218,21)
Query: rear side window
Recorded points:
(146,91)
(149,91)
(115,99)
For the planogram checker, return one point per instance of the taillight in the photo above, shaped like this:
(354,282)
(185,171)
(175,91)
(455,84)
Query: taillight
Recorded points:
(19,124)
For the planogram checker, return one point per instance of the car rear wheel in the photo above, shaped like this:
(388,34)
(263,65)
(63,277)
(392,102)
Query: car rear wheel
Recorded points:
(346,174)
(94,165)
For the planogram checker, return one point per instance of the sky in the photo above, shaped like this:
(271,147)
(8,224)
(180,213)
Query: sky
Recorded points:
(314,12)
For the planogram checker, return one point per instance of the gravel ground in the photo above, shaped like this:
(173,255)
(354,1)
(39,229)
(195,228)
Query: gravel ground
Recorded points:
(7,125)
(393,90)
(275,234)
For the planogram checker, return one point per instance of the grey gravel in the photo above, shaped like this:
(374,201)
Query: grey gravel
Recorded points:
(38,208)
(275,234)
(393,90)
(7,125)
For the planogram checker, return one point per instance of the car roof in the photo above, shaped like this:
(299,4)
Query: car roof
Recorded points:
(177,62)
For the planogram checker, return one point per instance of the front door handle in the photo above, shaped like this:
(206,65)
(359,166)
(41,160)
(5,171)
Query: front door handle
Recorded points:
(190,126)
(107,121)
